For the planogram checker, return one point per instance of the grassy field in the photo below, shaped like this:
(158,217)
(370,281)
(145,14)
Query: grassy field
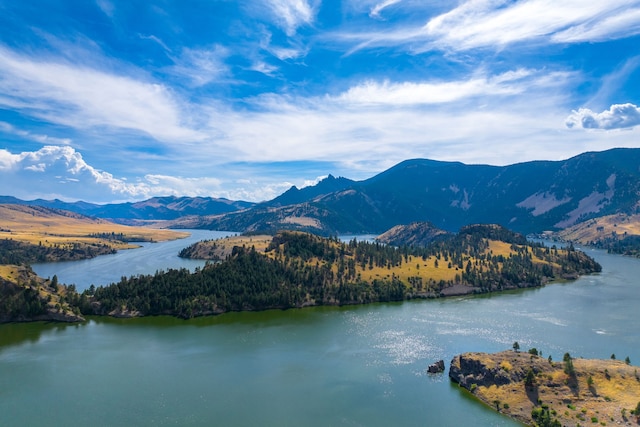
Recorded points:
(52,227)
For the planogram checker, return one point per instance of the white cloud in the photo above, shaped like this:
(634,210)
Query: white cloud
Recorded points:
(496,23)
(312,182)
(487,23)
(84,97)
(375,10)
(106,7)
(406,93)
(61,172)
(8,160)
(620,24)
(44,139)
(201,66)
(618,116)
(292,14)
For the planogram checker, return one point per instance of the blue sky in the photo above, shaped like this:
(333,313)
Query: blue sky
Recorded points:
(107,101)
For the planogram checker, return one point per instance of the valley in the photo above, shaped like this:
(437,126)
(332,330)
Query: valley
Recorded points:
(35,234)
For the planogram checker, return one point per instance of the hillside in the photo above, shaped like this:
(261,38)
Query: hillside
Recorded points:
(528,197)
(414,234)
(619,233)
(26,297)
(295,269)
(538,391)
(36,234)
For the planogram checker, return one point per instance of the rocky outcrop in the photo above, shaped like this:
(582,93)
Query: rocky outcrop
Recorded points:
(531,388)
(475,368)
(414,234)
(436,368)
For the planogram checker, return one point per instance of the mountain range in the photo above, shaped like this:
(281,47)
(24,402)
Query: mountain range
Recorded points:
(528,197)
(156,208)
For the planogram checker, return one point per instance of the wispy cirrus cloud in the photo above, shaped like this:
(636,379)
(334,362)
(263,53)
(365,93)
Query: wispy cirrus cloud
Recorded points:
(41,138)
(201,66)
(292,14)
(378,8)
(494,24)
(83,97)
(618,116)
(438,92)
(489,23)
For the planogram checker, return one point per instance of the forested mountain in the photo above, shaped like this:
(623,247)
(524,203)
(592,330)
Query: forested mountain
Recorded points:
(299,269)
(527,197)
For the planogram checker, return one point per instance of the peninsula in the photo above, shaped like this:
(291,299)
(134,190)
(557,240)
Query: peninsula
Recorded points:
(541,392)
(297,269)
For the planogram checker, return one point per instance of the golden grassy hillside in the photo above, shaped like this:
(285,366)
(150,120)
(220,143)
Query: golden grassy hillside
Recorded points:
(21,287)
(597,229)
(600,392)
(425,275)
(37,225)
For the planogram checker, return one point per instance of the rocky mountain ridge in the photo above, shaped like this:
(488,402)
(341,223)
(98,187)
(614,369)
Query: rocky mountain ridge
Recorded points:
(527,197)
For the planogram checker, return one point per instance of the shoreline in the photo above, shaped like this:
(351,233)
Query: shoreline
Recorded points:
(527,387)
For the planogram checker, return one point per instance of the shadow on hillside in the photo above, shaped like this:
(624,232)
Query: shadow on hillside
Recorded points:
(532,394)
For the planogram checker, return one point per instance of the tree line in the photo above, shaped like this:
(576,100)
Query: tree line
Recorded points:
(300,269)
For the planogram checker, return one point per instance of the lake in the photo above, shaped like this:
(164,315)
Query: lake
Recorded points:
(321,366)
(146,259)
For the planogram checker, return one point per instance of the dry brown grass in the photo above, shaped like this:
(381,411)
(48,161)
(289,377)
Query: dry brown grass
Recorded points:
(9,272)
(599,228)
(614,392)
(32,225)
(430,270)
(415,267)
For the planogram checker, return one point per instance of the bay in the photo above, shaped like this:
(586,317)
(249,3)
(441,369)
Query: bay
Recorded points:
(146,259)
(343,366)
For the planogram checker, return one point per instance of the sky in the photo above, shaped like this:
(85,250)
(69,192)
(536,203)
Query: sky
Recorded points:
(112,101)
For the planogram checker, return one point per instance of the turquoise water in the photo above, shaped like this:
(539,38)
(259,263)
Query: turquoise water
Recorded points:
(324,366)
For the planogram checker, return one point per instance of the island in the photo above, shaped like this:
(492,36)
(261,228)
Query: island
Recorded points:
(541,392)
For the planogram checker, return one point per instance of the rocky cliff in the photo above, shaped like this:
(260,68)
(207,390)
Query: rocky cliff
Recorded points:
(537,391)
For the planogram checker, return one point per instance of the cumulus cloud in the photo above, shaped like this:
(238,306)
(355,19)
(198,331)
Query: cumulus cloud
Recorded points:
(618,116)
(61,172)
